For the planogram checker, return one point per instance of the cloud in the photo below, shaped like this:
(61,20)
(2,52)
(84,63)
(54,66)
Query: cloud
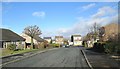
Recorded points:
(104,11)
(89,6)
(83,24)
(39,14)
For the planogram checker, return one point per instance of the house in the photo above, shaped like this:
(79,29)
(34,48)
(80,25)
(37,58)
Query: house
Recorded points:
(90,43)
(48,39)
(91,39)
(77,40)
(59,40)
(10,37)
(36,40)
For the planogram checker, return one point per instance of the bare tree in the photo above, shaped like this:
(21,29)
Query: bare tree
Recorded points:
(32,31)
(94,30)
(101,33)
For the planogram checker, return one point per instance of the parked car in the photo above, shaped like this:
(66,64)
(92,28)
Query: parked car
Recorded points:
(66,46)
(63,46)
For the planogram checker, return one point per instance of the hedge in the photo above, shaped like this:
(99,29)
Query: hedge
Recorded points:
(99,46)
(107,47)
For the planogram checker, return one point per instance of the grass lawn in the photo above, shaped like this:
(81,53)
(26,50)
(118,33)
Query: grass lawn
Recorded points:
(6,52)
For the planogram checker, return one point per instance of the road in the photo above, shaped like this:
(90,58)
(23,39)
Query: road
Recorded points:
(63,57)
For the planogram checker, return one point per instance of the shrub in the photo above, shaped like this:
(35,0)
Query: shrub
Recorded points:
(112,47)
(118,49)
(11,47)
(99,46)
(84,43)
(41,45)
(55,45)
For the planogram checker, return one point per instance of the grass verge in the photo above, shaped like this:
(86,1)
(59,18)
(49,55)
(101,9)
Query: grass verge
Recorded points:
(6,52)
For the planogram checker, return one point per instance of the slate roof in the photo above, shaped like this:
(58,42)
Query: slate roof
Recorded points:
(8,35)
(38,38)
(76,35)
(58,36)
(47,38)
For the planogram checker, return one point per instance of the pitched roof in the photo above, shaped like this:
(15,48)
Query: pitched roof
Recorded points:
(47,37)
(58,36)
(35,37)
(8,35)
(38,38)
(76,35)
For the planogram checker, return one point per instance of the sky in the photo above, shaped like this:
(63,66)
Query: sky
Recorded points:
(58,18)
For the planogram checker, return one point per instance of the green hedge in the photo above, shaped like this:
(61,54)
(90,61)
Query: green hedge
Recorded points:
(112,48)
(107,47)
(99,46)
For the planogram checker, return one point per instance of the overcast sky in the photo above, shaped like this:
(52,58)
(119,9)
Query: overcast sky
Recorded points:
(58,18)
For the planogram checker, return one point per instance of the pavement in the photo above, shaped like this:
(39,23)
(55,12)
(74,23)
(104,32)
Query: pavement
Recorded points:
(60,58)
(101,60)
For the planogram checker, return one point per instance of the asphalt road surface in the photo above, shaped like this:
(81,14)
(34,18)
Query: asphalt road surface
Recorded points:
(63,57)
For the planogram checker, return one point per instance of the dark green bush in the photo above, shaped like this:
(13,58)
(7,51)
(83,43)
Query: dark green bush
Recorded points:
(99,46)
(11,47)
(113,45)
(112,48)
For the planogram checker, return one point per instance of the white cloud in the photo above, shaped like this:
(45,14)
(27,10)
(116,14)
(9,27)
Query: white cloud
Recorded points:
(83,24)
(104,11)
(88,6)
(47,34)
(39,14)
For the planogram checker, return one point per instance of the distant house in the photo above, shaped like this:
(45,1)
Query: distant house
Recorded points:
(10,37)
(48,39)
(59,40)
(36,40)
(77,40)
